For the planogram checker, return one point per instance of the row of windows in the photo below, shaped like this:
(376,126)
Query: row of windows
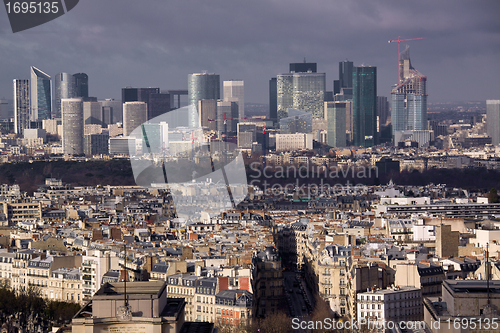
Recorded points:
(391,297)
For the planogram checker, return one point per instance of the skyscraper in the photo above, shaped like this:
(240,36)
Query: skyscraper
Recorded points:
(335,115)
(382,110)
(364,106)
(64,88)
(201,86)
(92,113)
(297,122)
(493,120)
(309,93)
(284,94)
(41,96)
(207,111)
(134,114)
(234,91)
(303,67)
(303,91)
(73,127)
(273,103)
(345,74)
(81,85)
(21,105)
(4,109)
(227,117)
(157,103)
(114,108)
(409,98)
(344,83)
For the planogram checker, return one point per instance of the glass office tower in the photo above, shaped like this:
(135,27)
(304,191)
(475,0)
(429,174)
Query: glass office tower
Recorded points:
(364,106)
(201,86)
(41,96)
(64,88)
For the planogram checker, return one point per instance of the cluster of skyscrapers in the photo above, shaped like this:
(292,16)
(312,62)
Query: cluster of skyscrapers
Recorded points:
(351,114)
(349,111)
(33,97)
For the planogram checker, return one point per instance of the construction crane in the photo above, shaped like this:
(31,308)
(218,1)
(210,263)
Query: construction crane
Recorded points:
(399,40)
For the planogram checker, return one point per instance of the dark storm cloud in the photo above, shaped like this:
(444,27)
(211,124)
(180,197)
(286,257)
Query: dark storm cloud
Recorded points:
(157,43)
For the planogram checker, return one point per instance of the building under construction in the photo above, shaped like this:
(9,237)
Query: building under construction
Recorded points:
(409,98)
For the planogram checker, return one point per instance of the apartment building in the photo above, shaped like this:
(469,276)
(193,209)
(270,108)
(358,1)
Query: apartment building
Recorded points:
(233,307)
(396,304)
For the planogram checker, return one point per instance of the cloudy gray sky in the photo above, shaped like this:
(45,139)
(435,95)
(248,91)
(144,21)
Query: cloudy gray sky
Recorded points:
(144,43)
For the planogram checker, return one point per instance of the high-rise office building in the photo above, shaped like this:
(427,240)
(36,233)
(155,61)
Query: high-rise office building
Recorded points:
(345,74)
(134,114)
(64,88)
(157,103)
(21,105)
(284,94)
(344,83)
(303,67)
(4,109)
(297,122)
(309,93)
(113,111)
(96,144)
(348,120)
(201,86)
(493,120)
(247,135)
(81,85)
(335,115)
(382,110)
(409,98)
(273,102)
(227,117)
(303,91)
(92,113)
(234,91)
(364,106)
(72,126)
(41,96)
(207,111)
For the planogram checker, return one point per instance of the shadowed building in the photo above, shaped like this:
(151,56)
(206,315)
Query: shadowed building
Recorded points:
(21,105)
(81,85)
(335,115)
(140,307)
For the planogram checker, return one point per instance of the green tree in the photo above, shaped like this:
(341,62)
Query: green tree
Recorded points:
(493,196)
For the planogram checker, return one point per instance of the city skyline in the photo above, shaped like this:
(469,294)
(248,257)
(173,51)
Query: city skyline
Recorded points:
(458,36)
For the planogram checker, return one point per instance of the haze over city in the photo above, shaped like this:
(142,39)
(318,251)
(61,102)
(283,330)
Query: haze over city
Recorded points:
(157,44)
